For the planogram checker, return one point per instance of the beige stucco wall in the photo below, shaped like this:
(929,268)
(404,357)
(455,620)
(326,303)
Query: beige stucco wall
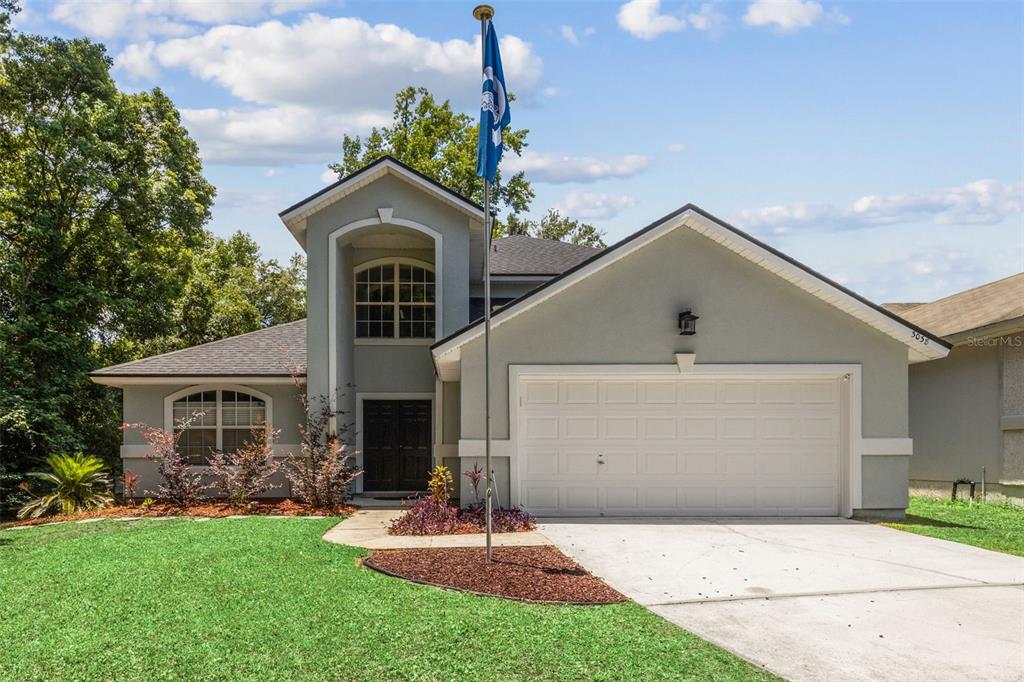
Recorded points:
(627,313)
(145,404)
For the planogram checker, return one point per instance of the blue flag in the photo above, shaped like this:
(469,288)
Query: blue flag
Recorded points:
(494,113)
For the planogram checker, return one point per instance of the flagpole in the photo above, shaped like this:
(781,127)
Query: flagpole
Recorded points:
(484,13)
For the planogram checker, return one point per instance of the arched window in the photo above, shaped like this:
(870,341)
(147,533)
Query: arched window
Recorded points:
(395,300)
(227,417)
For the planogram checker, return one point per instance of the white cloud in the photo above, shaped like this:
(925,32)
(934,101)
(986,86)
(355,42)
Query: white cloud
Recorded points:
(328,177)
(676,147)
(571,37)
(790,15)
(312,81)
(144,18)
(921,275)
(707,19)
(642,19)
(551,92)
(558,168)
(593,205)
(982,202)
(274,135)
(363,64)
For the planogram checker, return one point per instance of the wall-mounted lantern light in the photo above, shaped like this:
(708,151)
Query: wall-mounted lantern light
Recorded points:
(687,323)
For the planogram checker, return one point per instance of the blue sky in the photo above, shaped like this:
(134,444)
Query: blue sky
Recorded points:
(879,143)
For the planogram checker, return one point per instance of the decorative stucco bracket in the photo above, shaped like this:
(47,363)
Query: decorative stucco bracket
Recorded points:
(685,361)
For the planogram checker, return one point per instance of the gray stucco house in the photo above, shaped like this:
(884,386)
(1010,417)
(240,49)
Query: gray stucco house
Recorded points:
(791,397)
(967,410)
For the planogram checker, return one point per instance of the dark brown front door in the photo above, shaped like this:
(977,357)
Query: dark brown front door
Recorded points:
(396,444)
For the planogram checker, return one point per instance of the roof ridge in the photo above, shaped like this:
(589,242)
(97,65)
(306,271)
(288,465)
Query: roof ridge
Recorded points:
(124,365)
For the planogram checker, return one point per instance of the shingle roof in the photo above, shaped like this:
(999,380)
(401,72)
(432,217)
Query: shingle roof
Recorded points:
(900,308)
(275,351)
(523,255)
(982,306)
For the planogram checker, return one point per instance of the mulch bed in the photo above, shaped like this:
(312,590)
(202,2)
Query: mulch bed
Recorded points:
(534,574)
(207,509)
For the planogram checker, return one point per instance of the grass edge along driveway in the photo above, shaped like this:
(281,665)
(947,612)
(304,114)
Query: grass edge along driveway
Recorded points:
(997,526)
(260,598)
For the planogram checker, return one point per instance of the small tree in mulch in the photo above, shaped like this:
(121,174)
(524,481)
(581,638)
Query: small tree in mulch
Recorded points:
(321,473)
(129,479)
(247,472)
(182,485)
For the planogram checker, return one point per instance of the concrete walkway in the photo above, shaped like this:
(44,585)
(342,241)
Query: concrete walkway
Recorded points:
(368,528)
(817,599)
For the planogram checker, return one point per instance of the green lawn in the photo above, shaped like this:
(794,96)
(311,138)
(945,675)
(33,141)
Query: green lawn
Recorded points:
(266,599)
(994,526)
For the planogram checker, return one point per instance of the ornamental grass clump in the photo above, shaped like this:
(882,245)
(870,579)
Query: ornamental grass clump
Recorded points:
(79,484)
(247,472)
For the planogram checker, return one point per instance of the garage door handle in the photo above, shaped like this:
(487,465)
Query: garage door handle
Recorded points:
(600,458)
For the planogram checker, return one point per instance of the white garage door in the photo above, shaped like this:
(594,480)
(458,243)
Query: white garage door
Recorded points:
(679,445)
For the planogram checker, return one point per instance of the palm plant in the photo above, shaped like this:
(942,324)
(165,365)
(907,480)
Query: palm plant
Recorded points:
(79,484)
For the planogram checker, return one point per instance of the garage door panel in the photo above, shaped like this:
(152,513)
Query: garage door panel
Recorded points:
(686,446)
(580,427)
(660,463)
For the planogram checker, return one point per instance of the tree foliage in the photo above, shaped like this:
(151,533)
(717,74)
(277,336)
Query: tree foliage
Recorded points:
(556,226)
(441,144)
(232,290)
(102,198)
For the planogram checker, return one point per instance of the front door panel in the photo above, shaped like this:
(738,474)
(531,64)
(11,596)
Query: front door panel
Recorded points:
(396,444)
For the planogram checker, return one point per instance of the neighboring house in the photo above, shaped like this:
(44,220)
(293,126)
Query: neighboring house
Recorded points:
(789,399)
(967,410)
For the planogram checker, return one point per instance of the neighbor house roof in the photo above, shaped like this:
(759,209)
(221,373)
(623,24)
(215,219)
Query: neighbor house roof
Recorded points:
(984,306)
(523,255)
(294,217)
(921,344)
(278,351)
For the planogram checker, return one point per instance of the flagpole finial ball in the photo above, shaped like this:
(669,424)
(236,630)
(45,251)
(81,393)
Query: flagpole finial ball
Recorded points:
(482,12)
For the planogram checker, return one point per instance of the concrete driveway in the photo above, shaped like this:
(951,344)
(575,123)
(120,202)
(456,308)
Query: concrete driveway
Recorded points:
(817,599)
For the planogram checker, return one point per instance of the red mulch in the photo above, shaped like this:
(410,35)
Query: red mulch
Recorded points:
(207,508)
(536,574)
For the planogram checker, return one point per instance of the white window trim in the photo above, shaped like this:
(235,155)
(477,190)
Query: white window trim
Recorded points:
(219,388)
(851,491)
(397,340)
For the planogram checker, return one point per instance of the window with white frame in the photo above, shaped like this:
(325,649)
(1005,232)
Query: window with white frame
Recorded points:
(220,419)
(395,301)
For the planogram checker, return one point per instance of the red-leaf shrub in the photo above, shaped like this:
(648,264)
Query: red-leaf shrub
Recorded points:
(182,486)
(245,473)
(321,473)
(512,520)
(428,517)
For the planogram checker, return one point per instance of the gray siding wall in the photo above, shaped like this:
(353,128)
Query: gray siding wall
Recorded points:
(627,313)
(145,404)
(954,416)
(967,412)
(382,367)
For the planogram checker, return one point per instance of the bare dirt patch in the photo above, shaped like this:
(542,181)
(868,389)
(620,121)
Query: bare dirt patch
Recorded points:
(535,574)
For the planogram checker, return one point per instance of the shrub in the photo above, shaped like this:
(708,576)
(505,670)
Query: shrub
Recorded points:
(246,472)
(321,473)
(429,517)
(130,479)
(79,484)
(182,485)
(512,520)
(439,484)
(475,475)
